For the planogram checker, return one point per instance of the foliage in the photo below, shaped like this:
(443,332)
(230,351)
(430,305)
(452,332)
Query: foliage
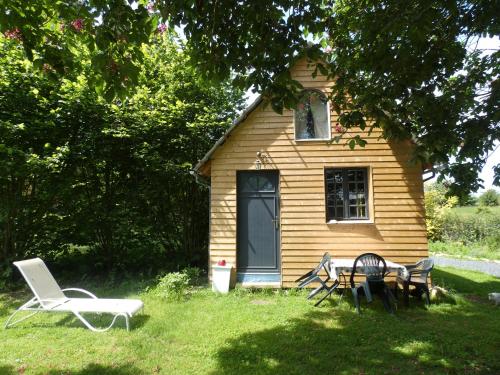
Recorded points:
(469,231)
(437,206)
(228,334)
(489,198)
(195,275)
(484,250)
(471,228)
(467,200)
(420,76)
(172,286)
(107,183)
(52,34)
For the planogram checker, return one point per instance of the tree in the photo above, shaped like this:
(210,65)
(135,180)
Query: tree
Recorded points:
(489,198)
(412,69)
(106,185)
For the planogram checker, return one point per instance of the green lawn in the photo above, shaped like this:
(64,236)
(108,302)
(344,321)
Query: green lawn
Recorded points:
(266,333)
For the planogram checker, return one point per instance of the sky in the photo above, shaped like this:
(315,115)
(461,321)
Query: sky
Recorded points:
(487,175)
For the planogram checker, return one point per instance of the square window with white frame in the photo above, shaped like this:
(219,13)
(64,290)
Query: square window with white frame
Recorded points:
(346,194)
(312,116)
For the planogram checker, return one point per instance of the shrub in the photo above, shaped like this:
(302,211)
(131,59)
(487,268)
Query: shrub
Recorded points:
(489,198)
(172,286)
(195,275)
(437,206)
(470,228)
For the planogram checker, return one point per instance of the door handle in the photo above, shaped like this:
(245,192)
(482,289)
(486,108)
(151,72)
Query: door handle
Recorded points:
(276,222)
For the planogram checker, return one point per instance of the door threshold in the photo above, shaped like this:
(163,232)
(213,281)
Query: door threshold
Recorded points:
(258,278)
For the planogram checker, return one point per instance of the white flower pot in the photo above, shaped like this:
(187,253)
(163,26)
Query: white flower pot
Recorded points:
(221,278)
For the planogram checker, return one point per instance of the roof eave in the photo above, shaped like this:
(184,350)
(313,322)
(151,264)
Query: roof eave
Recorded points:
(226,135)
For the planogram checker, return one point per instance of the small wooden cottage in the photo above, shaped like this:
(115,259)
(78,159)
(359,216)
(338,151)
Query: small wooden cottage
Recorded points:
(282,193)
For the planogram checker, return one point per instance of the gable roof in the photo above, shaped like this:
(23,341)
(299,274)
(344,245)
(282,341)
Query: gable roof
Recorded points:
(226,135)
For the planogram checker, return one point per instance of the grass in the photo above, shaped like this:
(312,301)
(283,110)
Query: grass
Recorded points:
(266,332)
(460,250)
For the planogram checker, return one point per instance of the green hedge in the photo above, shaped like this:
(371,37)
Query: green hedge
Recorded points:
(476,235)
(469,229)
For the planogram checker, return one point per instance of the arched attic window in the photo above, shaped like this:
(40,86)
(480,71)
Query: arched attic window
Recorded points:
(312,116)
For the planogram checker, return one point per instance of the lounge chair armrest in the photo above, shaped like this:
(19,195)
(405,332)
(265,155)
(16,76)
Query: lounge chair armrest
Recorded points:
(81,291)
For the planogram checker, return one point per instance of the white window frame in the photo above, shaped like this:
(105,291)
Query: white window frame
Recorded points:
(370,204)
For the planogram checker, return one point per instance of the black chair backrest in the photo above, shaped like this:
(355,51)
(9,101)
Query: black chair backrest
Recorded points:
(370,264)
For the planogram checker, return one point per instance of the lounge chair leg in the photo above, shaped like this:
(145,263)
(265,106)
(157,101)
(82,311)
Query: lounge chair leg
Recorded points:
(93,329)
(8,322)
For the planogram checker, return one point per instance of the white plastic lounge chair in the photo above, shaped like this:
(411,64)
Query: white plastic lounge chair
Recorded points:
(49,297)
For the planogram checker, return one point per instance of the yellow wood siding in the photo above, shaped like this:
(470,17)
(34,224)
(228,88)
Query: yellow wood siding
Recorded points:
(396,191)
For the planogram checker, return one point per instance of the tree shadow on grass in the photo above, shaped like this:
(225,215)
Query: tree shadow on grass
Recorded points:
(450,339)
(7,370)
(465,285)
(91,369)
(97,369)
(103,321)
(68,320)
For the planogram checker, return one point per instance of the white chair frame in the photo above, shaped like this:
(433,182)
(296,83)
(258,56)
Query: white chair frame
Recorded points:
(37,304)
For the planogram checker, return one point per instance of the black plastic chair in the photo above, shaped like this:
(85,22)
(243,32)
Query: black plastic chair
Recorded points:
(373,266)
(418,277)
(314,276)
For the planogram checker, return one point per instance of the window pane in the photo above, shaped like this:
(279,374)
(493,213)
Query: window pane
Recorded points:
(350,175)
(356,194)
(340,213)
(253,183)
(331,213)
(330,200)
(311,116)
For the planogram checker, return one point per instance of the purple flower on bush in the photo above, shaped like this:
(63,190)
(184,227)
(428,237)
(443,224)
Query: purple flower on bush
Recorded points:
(14,34)
(78,24)
(151,7)
(162,27)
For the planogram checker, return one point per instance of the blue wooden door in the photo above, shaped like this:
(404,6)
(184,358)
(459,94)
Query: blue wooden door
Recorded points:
(258,221)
